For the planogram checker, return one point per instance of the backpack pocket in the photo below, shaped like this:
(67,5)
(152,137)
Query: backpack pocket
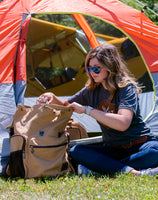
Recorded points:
(48,160)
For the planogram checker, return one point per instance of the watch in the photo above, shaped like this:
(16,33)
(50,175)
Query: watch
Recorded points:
(88,109)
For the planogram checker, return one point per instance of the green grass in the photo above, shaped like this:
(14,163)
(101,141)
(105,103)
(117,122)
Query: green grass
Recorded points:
(121,187)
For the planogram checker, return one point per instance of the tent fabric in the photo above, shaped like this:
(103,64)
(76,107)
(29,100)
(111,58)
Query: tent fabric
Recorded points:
(10,21)
(136,25)
(87,29)
(4,149)
(7,104)
(152,120)
(15,17)
(20,62)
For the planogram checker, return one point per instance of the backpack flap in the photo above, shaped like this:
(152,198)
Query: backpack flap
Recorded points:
(39,117)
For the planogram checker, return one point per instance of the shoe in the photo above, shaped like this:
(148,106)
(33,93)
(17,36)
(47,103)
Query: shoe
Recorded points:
(84,170)
(149,171)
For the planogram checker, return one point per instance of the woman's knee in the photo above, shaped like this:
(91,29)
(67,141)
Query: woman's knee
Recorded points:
(149,145)
(75,149)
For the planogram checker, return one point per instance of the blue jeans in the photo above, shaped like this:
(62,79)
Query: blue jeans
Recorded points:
(105,159)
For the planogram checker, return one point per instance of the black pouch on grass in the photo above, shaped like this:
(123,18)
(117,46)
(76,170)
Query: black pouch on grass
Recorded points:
(15,167)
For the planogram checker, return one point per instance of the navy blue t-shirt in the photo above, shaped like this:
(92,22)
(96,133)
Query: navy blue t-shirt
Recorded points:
(126,97)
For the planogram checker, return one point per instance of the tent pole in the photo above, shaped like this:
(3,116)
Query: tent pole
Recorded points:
(146,7)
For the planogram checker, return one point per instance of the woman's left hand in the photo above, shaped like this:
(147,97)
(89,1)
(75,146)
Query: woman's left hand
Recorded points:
(46,98)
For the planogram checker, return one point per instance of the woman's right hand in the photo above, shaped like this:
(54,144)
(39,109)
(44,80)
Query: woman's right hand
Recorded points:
(45,98)
(50,98)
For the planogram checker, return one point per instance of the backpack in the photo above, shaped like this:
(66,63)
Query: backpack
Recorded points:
(76,130)
(39,146)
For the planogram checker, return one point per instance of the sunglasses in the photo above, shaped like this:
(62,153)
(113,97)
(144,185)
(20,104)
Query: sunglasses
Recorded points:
(94,69)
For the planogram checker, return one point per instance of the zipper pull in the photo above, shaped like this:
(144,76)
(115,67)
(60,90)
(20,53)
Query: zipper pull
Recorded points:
(32,150)
(24,154)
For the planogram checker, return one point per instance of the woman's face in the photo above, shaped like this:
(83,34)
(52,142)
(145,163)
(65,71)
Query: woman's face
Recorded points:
(102,75)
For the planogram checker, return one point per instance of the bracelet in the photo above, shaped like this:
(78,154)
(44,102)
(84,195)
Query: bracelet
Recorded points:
(88,109)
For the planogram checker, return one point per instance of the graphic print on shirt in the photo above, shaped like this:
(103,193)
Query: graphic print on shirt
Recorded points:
(107,106)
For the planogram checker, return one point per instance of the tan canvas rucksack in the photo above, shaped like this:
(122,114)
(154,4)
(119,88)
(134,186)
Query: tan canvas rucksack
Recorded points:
(39,145)
(76,130)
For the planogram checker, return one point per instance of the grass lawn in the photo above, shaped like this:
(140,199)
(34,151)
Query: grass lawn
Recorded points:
(85,187)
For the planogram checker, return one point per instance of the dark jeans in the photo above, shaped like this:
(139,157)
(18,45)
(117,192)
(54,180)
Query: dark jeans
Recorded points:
(104,159)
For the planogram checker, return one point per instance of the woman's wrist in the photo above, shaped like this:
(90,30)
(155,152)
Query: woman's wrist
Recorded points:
(88,109)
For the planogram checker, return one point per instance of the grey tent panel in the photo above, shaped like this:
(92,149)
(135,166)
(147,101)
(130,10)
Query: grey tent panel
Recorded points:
(4,150)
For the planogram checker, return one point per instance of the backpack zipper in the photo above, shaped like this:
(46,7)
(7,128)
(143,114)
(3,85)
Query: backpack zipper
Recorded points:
(45,147)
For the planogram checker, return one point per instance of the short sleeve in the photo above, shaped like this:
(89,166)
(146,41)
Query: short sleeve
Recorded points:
(128,98)
(80,97)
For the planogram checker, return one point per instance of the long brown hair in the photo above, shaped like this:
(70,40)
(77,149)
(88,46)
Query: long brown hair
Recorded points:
(118,74)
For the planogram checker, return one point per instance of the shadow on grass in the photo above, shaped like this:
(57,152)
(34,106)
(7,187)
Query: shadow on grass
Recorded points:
(52,178)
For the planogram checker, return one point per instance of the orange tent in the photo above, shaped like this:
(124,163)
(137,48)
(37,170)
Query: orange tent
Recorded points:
(15,16)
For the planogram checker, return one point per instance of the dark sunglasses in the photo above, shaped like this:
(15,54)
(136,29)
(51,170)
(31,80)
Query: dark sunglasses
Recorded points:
(94,69)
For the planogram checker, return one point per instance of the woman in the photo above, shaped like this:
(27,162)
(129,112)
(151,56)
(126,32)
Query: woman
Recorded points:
(111,97)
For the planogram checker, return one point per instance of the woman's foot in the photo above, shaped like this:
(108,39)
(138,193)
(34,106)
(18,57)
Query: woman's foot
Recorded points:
(84,170)
(149,171)
(135,172)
